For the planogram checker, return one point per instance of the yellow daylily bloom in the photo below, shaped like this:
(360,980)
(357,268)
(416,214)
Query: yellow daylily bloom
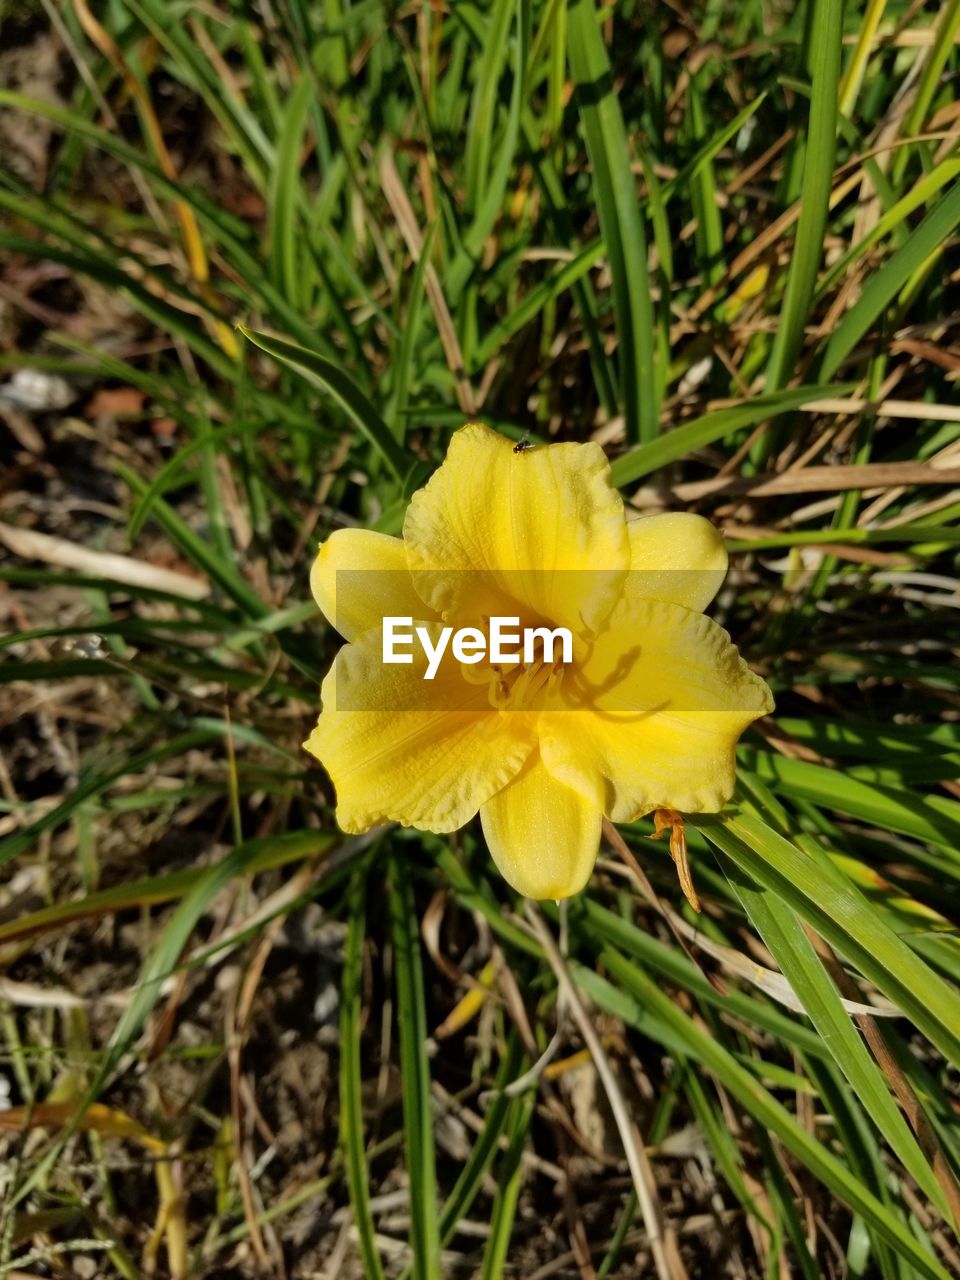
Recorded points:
(644,717)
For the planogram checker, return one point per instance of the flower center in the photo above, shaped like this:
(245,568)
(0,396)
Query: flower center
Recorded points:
(524,687)
(520,686)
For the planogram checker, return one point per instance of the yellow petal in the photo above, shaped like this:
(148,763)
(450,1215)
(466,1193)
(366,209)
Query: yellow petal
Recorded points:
(544,528)
(660,703)
(426,753)
(542,835)
(677,556)
(360,577)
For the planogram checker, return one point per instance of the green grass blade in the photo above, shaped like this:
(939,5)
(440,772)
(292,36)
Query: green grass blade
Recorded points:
(534,302)
(94,783)
(285,258)
(351,1097)
(709,232)
(201,553)
(315,368)
(647,458)
(821,136)
(836,909)
(709,150)
(160,964)
(480,130)
(880,290)
(620,220)
(484,1148)
(931,818)
(943,45)
(494,183)
(485,1145)
(803,969)
(757,1101)
(415,1073)
(509,1182)
(919,194)
(277,852)
(403,372)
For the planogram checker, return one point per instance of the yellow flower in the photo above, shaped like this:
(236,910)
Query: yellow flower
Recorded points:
(646,716)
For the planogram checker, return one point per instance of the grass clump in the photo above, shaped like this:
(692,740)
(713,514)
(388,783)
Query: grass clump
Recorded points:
(722,243)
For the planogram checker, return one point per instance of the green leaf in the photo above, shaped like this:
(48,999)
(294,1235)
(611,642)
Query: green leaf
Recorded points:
(480,130)
(276,852)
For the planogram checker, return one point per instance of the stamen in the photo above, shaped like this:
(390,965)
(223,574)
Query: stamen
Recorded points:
(523,686)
